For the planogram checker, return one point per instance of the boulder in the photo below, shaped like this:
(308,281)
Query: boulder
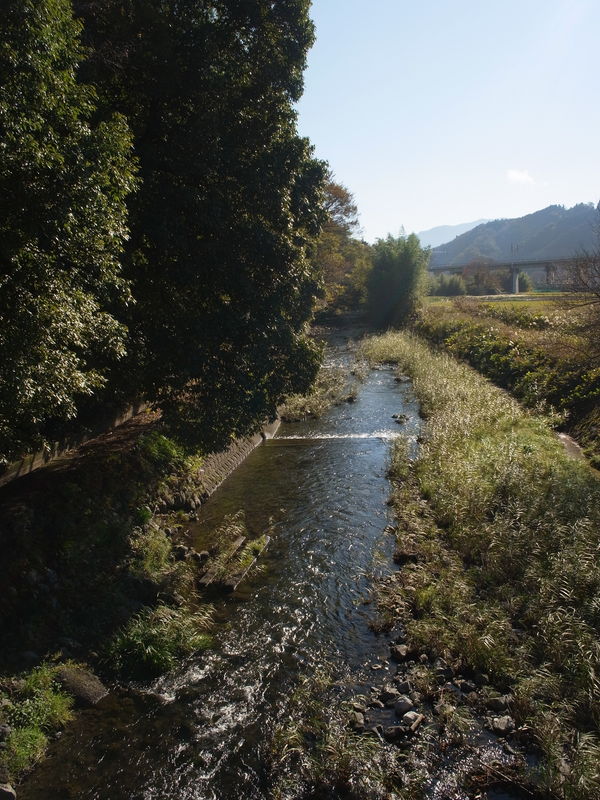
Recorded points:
(180,552)
(5,732)
(402,705)
(502,726)
(389,693)
(85,687)
(393,733)
(357,721)
(400,652)
(499,704)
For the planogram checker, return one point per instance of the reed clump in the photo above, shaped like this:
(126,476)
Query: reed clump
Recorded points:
(330,388)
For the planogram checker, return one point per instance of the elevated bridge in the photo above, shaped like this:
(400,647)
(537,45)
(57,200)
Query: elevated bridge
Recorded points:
(545,268)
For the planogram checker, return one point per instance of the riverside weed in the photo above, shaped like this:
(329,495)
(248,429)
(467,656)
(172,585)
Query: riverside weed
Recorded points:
(34,707)
(156,638)
(508,576)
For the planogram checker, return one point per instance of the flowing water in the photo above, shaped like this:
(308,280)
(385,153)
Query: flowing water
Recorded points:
(203,730)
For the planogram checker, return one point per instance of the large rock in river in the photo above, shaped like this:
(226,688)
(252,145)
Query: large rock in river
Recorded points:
(85,687)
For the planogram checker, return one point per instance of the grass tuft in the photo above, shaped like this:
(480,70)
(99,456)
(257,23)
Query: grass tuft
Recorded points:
(156,638)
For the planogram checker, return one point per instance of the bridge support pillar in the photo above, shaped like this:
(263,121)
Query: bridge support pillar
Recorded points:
(514,273)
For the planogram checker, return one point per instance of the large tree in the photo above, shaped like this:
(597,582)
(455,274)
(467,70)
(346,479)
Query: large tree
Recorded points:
(229,205)
(63,183)
(343,260)
(398,279)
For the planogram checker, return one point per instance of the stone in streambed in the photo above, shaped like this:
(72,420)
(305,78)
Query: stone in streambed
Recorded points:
(400,652)
(413,719)
(357,721)
(502,726)
(499,704)
(389,694)
(402,705)
(394,733)
(85,687)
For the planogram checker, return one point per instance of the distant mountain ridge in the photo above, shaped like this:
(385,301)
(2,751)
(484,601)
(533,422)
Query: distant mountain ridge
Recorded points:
(553,232)
(433,237)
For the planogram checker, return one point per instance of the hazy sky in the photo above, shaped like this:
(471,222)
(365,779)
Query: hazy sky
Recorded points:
(437,112)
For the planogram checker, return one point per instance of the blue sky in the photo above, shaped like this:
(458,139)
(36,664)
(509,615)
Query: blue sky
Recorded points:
(436,112)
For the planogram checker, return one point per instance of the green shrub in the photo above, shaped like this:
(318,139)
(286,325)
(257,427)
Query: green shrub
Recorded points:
(160,450)
(24,747)
(35,708)
(156,638)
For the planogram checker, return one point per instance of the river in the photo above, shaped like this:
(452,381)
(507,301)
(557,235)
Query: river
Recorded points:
(203,730)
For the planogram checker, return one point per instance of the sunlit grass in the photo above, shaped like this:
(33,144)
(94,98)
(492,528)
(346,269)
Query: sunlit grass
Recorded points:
(330,387)
(34,707)
(507,573)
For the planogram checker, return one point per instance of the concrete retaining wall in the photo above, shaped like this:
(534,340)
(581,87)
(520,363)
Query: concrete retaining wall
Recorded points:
(33,461)
(218,466)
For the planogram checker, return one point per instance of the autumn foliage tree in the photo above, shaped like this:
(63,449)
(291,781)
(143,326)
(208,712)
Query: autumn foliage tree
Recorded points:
(343,259)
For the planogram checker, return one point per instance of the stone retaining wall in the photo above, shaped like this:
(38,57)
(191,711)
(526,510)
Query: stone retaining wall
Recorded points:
(218,466)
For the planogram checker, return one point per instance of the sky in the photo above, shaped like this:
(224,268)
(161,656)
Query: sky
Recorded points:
(437,112)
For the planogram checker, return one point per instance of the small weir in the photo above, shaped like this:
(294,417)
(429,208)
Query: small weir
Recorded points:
(320,489)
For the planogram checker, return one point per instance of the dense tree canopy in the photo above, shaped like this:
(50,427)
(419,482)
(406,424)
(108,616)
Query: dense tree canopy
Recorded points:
(193,291)
(63,182)
(229,203)
(398,279)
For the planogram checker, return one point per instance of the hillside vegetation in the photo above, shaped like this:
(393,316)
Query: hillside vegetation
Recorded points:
(536,351)
(553,232)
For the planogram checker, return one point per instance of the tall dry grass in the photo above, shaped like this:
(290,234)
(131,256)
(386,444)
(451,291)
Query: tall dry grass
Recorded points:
(512,581)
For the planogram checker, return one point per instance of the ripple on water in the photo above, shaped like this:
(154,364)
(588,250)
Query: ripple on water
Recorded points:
(322,488)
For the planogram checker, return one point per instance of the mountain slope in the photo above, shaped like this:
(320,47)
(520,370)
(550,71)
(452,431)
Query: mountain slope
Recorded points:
(433,237)
(553,232)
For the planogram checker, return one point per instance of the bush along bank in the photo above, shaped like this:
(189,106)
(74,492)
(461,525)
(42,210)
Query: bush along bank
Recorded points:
(540,358)
(100,576)
(498,538)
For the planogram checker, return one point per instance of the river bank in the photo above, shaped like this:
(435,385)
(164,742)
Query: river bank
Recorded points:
(497,531)
(539,350)
(99,577)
